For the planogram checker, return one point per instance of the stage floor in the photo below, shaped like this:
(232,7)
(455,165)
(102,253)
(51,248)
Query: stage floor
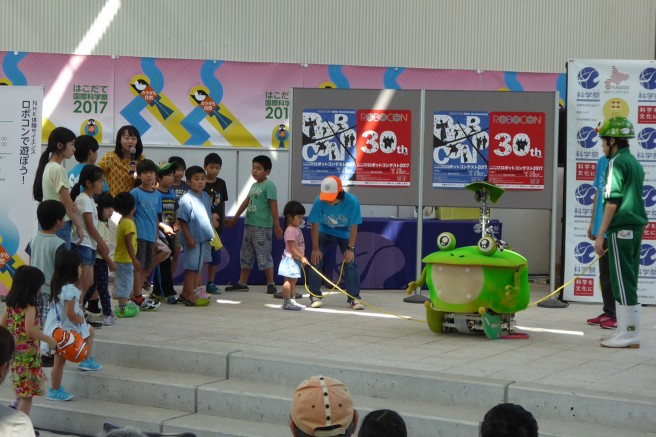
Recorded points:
(562,351)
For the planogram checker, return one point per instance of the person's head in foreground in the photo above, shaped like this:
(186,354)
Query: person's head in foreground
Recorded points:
(322,407)
(380,423)
(509,420)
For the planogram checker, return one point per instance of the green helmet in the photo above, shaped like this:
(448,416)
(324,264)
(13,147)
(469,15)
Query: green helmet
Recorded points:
(616,127)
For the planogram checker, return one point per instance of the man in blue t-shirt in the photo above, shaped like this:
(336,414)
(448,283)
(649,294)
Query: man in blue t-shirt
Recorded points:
(335,217)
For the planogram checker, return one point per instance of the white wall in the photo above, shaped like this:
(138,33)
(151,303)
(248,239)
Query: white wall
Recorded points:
(504,35)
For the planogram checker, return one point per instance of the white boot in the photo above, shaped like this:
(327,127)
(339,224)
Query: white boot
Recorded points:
(628,328)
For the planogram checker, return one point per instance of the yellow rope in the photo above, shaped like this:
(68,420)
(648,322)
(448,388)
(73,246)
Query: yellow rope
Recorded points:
(568,283)
(337,287)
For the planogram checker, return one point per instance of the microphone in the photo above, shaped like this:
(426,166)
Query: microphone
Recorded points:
(133,153)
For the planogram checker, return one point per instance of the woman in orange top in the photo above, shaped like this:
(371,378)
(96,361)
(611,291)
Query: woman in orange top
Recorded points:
(120,165)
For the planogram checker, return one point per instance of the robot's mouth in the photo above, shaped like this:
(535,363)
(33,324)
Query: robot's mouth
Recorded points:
(457,284)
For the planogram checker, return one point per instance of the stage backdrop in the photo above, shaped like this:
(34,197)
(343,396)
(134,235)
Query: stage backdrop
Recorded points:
(20,149)
(600,89)
(212,102)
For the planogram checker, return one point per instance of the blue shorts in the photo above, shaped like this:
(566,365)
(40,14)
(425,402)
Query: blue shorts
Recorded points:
(195,259)
(289,268)
(123,279)
(65,233)
(87,254)
(215,256)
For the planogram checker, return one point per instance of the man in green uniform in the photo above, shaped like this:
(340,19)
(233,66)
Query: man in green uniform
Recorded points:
(623,223)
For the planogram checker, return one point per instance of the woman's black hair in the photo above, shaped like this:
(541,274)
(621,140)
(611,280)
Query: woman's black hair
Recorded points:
(292,208)
(67,263)
(104,200)
(132,131)
(59,135)
(90,173)
(25,287)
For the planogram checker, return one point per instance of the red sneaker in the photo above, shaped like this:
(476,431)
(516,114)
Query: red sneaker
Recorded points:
(138,300)
(610,323)
(601,318)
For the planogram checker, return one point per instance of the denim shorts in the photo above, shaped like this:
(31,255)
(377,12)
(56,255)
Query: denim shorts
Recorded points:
(123,279)
(87,254)
(195,259)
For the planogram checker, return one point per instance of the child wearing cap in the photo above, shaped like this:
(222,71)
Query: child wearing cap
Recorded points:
(335,217)
(261,206)
(147,216)
(163,278)
(322,406)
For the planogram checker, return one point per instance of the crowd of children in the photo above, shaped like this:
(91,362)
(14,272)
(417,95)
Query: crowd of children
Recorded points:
(66,284)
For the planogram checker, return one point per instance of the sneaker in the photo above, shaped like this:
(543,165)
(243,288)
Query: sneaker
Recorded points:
(89,364)
(109,321)
(201,293)
(14,404)
(293,301)
(271,289)
(291,305)
(137,299)
(59,394)
(356,305)
(610,323)
(92,322)
(150,305)
(598,320)
(171,300)
(47,360)
(93,317)
(212,289)
(316,302)
(237,287)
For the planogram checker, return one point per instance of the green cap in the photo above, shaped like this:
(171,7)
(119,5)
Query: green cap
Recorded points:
(616,127)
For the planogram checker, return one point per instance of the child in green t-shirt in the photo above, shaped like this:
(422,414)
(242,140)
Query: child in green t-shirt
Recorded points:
(261,208)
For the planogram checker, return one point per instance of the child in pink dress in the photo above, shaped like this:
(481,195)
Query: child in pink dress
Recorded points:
(293,255)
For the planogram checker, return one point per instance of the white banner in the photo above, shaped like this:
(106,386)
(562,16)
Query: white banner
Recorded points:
(20,149)
(598,90)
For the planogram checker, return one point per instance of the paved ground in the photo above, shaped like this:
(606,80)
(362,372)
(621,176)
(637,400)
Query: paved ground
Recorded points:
(562,349)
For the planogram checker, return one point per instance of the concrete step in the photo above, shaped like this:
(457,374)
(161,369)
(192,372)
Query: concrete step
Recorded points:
(212,426)
(152,388)
(86,416)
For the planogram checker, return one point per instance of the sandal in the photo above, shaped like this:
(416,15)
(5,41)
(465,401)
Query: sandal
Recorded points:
(199,303)
(181,299)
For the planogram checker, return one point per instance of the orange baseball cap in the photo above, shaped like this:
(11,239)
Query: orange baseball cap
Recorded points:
(330,188)
(322,406)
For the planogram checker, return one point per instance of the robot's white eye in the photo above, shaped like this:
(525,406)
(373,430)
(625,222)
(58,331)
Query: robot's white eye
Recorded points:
(487,246)
(446,241)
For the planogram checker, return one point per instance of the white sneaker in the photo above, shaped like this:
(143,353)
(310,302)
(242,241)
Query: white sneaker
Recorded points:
(316,302)
(357,305)
(291,305)
(293,301)
(109,321)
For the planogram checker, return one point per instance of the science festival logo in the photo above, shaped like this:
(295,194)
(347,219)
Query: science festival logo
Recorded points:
(647,255)
(584,252)
(588,78)
(585,194)
(616,79)
(647,138)
(649,195)
(587,137)
(647,78)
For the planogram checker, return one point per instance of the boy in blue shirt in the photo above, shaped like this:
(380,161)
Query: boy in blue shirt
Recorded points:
(261,208)
(196,222)
(148,202)
(86,153)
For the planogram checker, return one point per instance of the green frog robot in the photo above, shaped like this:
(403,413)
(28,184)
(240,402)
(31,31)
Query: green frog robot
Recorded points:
(478,288)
